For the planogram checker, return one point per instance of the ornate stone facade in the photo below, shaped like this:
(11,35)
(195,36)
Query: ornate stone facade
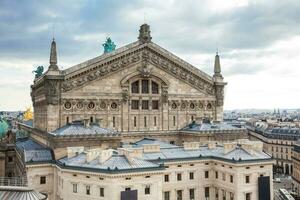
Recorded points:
(139,87)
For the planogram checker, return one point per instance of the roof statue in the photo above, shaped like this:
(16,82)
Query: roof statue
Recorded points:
(28,114)
(109,45)
(144,35)
(39,71)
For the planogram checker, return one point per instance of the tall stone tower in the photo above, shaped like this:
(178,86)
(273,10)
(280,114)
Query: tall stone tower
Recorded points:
(219,85)
(45,94)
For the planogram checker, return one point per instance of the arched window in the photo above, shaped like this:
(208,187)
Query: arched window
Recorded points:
(154,87)
(135,87)
(145,86)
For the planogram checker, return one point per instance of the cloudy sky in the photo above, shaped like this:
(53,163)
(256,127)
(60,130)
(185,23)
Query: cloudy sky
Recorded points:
(258,42)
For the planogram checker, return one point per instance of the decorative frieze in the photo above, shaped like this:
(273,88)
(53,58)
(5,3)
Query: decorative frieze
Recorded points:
(147,56)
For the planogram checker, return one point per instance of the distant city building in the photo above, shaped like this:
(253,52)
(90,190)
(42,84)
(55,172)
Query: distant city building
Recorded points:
(278,142)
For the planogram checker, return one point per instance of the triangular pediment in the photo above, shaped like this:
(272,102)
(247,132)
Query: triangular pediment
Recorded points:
(133,54)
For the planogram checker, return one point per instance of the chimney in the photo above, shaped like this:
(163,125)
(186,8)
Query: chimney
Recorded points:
(74,151)
(191,145)
(229,147)
(105,155)
(211,144)
(151,148)
(92,154)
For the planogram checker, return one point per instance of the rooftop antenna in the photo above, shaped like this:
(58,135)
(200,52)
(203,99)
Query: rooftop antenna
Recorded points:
(144,17)
(53,32)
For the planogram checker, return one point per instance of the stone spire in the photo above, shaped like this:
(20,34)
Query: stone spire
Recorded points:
(53,57)
(144,35)
(217,67)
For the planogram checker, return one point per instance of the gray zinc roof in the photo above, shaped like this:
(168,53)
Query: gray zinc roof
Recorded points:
(146,141)
(116,162)
(210,127)
(218,152)
(33,151)
(14,193)
(78,128)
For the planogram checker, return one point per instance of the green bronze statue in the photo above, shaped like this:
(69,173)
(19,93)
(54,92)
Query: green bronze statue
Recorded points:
(109,45)
(39,71)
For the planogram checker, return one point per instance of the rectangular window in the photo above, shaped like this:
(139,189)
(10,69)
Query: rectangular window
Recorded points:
(74,188)
(134,121)
(206,191)
(231,195)
(154,87)
(247,179)
(191,175)
(43,180)
(101,192)
(179,177)
(155,105)
(167,195)
(145,121)
(145,86)
(135,87)
(217,175)
(174,121)
(224,194)
(231,178)
(223,176)
(88,190)
(154,121)
(145,104)
(114,121)
(10,158)
(166,178)
(179,194)
(134,104)
(206,174)
(192,194)
(147,190)
(248,196)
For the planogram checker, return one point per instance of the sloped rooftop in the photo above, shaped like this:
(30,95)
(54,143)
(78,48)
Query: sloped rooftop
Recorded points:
(208,126)
(115,162)
(33,151)
(78,128)
(168,152)
(152,141)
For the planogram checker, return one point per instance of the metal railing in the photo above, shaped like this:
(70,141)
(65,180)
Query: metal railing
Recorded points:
(13,181)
